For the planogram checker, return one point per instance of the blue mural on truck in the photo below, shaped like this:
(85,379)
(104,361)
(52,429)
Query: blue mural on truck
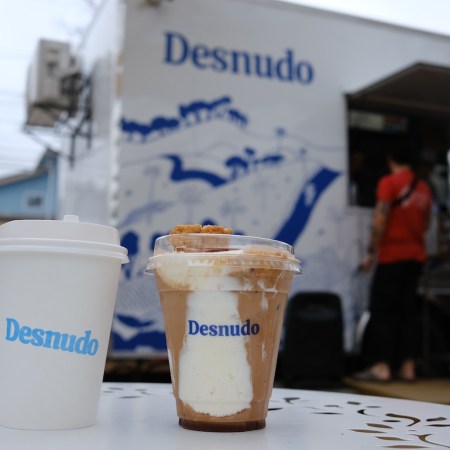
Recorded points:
(234,175)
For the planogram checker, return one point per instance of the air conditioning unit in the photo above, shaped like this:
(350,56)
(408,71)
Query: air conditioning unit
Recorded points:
(45,96)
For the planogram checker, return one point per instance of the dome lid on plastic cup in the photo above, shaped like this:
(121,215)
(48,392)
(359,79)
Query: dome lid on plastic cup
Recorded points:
(63,236)
(202,249)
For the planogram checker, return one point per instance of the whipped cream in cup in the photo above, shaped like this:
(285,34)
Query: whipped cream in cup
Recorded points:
(223,299)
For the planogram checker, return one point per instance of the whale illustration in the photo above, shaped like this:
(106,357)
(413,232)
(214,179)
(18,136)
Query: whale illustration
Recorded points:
(180,174)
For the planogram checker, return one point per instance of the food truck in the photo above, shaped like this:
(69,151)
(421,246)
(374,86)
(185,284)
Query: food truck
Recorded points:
(265,117)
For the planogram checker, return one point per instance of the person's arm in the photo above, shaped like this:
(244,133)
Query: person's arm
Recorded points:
(380,217)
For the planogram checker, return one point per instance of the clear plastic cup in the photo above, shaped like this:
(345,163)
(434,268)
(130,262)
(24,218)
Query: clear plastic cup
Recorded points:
(58,288)
(223,299)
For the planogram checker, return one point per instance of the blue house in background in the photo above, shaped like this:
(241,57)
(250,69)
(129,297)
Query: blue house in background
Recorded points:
(31,195)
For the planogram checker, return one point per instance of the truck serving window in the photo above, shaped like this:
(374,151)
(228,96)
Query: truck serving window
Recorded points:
(410,108)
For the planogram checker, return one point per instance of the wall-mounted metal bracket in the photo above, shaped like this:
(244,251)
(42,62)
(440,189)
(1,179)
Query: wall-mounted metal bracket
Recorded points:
(79,116)
(74,117)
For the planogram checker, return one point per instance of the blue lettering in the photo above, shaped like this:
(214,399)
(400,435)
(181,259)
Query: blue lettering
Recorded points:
(12,329)
(261,71)
(193,327)
(199,53)
(184,48)
(237,56)
(38,337)
(255,328)
(245,330)
(85,345)
(284,67)
(54,340)
(223,328)
(178,51)
(81,345)
(304,72)
(220,64)
(92,347)
(24,335)
(68,342)
(52,335)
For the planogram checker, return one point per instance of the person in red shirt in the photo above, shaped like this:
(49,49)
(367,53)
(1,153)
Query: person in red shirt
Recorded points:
(397,245)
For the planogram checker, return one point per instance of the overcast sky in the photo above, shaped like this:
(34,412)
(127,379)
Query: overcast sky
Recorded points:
(23,22)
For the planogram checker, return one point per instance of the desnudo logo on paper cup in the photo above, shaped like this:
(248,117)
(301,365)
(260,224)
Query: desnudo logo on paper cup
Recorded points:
(55,340)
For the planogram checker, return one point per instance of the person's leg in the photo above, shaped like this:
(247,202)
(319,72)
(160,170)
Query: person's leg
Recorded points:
(379,337)
(408,332)
(407,370)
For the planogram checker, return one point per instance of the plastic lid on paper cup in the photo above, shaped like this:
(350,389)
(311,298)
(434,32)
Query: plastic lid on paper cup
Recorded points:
(202,249)
(68,236)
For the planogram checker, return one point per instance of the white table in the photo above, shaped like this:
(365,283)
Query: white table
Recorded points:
(142,416)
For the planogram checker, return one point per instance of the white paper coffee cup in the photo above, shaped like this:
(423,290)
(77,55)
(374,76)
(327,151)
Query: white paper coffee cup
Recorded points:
(58,288)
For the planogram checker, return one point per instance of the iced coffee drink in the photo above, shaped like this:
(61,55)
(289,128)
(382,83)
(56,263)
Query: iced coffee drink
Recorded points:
(223,300)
